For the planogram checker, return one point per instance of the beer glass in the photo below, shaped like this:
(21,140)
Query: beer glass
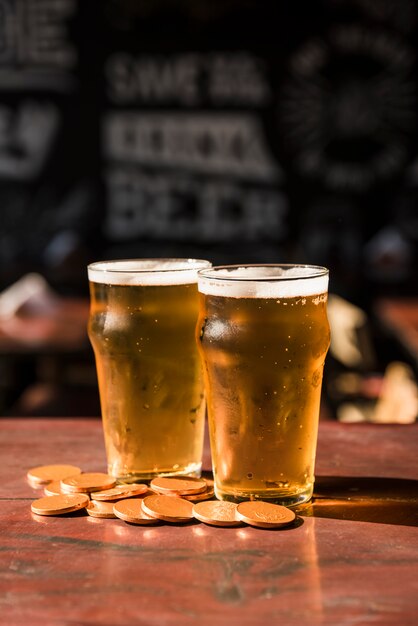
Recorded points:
(263,335)
(142,322)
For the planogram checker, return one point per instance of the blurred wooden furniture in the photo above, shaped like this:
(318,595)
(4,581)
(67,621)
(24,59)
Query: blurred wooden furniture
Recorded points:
(46,359)
(351,558)
(58,325)
(399,317)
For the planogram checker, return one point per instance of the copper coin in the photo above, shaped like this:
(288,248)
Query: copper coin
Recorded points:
(59,505)
(168,508)
(130,510)
(87,482)
(100,509)
(216,513)
(199,497)
(178,485)
(53,489)
(36,485)
(264,514)
(119,492)
(44,474)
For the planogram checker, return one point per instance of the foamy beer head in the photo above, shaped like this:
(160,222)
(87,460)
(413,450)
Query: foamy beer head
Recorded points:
(146,272)
(264,281)
(142,323)
(263,335)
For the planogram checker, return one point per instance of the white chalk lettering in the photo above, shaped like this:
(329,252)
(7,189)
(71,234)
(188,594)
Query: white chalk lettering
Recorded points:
(35,50)
(26,135)
(187,79)
(231,144)
(153,79)
(177,206)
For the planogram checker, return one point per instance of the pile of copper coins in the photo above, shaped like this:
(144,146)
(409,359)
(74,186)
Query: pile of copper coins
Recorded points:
(175,500)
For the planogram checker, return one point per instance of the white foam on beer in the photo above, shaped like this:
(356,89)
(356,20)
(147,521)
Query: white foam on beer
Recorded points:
(145,272)
(269,282)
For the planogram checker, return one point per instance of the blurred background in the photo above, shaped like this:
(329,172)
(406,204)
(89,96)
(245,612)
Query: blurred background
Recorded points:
(237,131)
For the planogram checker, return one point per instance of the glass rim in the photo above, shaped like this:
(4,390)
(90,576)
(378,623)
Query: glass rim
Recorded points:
(126,266)
(146,271)
(220,272)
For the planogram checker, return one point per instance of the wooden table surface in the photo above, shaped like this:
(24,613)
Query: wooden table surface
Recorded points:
(351,558)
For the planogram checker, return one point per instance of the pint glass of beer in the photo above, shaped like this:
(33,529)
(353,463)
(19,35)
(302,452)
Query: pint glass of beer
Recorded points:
(263,335)
(142,322)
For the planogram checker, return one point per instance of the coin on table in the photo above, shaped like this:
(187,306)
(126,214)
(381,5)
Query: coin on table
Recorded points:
(44,474)
(216,513)
(119,492)
(53,489)
(178,485)
(59,505)
(204,495)
(167,508)
(264,514)
(130,510)
(100,509)
(87,482)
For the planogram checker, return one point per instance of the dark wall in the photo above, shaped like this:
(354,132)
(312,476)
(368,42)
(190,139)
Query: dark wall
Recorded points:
(240,131)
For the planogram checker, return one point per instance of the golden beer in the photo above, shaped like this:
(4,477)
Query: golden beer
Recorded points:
(263,335)
(142,321)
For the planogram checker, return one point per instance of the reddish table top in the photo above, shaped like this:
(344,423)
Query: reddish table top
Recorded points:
(352,557)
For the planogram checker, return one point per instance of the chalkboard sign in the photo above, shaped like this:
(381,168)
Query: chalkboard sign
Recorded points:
(190,164)
(48,145)
(237,131)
